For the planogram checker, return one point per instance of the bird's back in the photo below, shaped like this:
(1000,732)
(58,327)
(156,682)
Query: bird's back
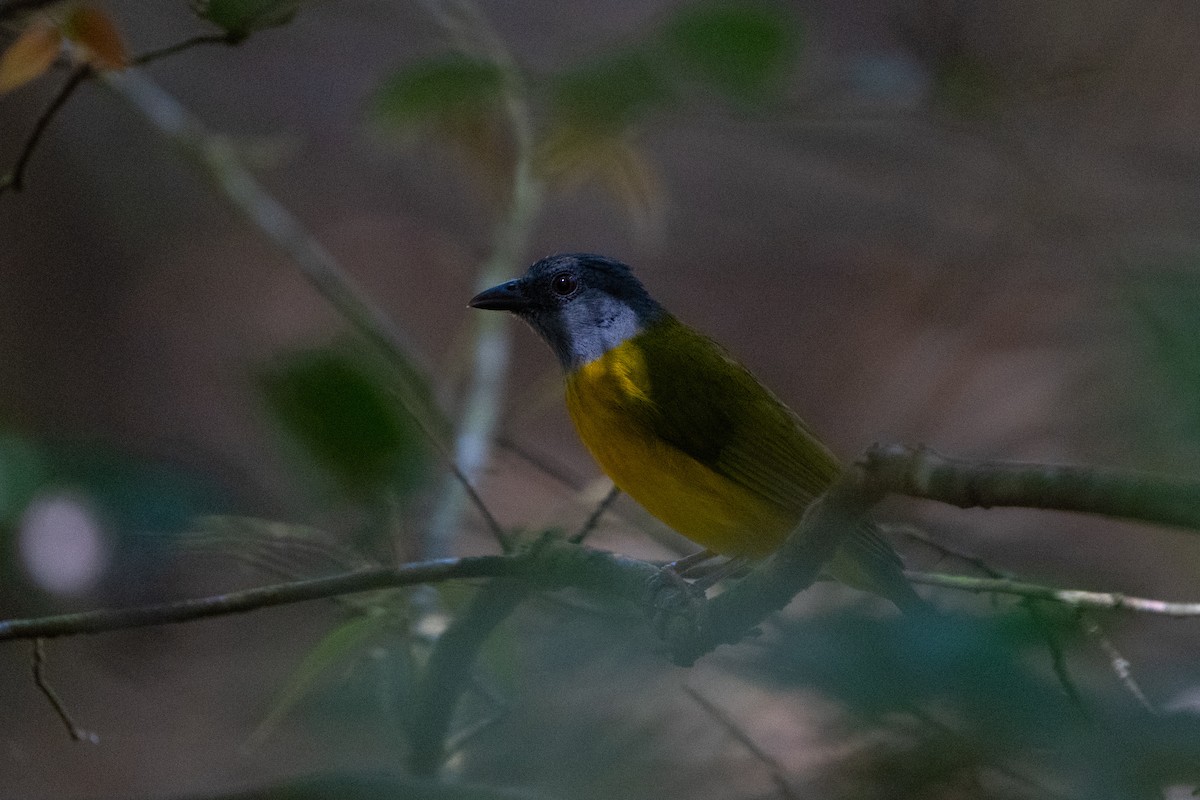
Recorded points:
(695,438)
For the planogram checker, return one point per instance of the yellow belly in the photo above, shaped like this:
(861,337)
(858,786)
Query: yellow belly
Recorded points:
(607,405)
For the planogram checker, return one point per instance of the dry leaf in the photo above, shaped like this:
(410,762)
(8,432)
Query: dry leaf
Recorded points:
(29,55)
(95,32)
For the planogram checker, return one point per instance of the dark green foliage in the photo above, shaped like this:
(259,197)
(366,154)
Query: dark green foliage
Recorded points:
(429,89)
(611,93)
(967,87)
(240,18)
(966,698)
(1164,304)
(743,50)
(348,420)
(370,786)
(24,468)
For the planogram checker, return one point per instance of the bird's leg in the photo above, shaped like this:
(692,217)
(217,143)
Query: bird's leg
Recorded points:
(709,575)
(682,566)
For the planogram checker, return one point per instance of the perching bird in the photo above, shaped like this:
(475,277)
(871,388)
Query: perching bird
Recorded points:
(679,425)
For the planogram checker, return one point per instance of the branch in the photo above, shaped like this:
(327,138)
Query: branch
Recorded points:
(104,620)
(1120,664)
(77,733)
(448,671)
(221,165)
(187,44)
(1076,598)
(725,619)
(546,564)
(15,179)
(492,334)
(723,719)
(920,472)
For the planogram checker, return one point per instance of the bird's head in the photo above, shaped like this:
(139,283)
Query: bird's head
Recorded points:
(583,305)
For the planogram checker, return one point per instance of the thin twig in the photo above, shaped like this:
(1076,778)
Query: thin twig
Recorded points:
(365,580)
(1120,665)
(186,44)
(725,721)
(1076,598)
(230,176)
(15,180)
(541,463)
(493,525)
(594,518)
(489,371)
(77,733)
(1058,661)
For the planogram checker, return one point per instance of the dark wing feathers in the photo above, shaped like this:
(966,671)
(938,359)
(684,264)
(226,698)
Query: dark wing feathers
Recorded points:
(714,410)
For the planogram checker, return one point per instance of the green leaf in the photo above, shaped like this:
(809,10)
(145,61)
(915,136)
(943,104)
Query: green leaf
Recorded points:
(24,469)
(743,50)
(1163,302)
(344,643)
(347,418)
(240,18)
(610,94)
(966,87)
(436,87)
(289,550)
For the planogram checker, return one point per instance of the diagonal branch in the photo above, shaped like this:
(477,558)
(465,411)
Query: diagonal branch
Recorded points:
(15,179)
(920,472)
(77,733)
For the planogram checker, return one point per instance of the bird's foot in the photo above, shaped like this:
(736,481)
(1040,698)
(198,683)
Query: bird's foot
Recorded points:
(676,607)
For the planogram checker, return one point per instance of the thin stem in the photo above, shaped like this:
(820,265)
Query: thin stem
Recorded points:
(486,384)
(113,619)
(725,721)
(594,518)
(15,180)
(1076,598)
(40,680)
(186,44)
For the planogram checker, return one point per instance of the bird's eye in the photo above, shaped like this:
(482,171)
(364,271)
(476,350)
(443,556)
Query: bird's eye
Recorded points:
(563,284)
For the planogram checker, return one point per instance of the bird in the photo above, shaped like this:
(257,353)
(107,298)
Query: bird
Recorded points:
(681,426)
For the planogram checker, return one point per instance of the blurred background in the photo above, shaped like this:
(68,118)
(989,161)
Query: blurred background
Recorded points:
(962,224)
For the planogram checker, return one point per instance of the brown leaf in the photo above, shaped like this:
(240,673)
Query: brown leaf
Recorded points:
(29,55)
(97,35)
(571,157)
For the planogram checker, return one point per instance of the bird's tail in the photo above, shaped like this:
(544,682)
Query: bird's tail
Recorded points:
(865,561)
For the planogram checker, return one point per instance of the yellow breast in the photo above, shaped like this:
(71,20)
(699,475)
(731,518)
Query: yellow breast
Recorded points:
(610,403)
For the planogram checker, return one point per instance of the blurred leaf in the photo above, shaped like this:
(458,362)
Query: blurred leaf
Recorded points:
(284,549)
(347,419)
(966,86)
(29,56)
(572,157)
(97,35)
(344,643)
(137,495)
(741,49)
(456,102)
(610,94)
(1164,303)
(24,469)
(432,88)
(240,18)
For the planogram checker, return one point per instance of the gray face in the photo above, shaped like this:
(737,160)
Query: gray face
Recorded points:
(594,323)
(583,305)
